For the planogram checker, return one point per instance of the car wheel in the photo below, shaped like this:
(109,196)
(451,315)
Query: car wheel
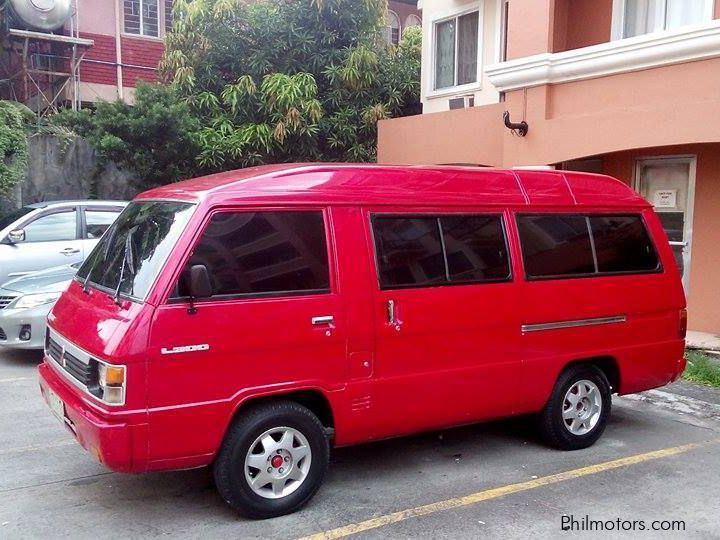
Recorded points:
(576,414)
(273,460)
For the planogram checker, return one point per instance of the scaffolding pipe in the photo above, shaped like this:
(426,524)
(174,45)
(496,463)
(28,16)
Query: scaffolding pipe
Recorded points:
(118,54)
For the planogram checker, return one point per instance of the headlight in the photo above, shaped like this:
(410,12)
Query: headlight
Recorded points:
(34,300)
(111,381)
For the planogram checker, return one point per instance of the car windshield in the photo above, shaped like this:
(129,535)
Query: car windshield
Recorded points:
(132,251)
(14,216)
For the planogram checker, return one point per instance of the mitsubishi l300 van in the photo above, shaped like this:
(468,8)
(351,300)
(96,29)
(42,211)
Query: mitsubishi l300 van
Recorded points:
(252,320)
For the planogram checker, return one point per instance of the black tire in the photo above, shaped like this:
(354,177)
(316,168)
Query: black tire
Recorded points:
(554,428)
(229,467)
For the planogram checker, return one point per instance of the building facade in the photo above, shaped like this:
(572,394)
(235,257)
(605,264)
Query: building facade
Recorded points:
(93,50)
(629,88)
(128,44)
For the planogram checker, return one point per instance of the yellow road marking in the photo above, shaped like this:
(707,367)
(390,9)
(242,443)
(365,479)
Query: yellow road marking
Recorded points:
(494,493)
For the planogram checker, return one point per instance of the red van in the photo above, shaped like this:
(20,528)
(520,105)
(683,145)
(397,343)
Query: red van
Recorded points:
(250,320)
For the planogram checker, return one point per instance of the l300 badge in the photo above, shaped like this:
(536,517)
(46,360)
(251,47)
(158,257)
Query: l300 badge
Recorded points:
(185,348)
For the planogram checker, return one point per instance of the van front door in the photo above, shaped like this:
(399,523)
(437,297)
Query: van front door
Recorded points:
(668,183)
(274,322)
(446,322)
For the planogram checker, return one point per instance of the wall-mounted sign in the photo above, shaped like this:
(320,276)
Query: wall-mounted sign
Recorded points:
(665,198)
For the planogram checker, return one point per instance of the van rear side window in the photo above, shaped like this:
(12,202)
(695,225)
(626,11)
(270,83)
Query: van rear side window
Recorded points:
(571,245)
(622,244)
(556,245)
(264,253)
(475,247)
(440,250)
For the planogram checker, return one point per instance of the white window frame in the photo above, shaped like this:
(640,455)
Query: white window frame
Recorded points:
(432,92)
(618,18)
(161,21)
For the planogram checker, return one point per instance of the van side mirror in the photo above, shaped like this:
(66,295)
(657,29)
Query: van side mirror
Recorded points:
(200,285)
(18,235)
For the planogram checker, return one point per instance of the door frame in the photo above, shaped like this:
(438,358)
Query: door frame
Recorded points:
(691,160)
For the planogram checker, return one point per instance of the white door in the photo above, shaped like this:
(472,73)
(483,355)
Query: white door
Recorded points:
(669,185)
(52,239)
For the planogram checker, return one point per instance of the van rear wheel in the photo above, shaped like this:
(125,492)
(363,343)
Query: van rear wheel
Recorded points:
(273,460)
(576,413)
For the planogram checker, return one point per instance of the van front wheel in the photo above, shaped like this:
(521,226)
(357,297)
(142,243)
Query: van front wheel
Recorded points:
(577,411)
(272,461)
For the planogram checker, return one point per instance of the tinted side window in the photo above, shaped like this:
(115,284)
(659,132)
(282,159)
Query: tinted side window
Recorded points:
(475,248)
(264,253)
(555,245)
(622,244)
(409,251)
(52,228)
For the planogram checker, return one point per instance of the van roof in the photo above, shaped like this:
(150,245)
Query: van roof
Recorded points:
(333,183)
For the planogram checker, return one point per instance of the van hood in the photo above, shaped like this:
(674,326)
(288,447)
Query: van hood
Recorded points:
(92,320)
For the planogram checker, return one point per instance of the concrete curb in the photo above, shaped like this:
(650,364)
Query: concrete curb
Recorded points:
(704,341)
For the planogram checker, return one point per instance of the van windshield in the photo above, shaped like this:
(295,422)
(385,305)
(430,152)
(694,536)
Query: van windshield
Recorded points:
(132,251)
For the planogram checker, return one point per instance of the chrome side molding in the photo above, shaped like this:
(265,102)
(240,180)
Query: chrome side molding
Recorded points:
(540,327)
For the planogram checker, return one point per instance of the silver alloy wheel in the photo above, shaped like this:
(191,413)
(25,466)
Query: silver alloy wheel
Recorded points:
(582,407)
(278,462)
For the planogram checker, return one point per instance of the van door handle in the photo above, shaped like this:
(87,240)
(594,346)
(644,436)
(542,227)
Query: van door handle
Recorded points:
(391,314)
(322,320)
(70,251)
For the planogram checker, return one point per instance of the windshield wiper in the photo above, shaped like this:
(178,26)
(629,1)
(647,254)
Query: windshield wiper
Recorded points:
(129,261)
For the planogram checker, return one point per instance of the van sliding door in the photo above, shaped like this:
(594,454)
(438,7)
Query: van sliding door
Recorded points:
(446,326)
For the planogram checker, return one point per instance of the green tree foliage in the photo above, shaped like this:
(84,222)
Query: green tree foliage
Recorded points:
(156,138)
(14,121)
(289,80)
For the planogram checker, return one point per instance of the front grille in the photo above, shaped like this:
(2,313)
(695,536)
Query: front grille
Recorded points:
(3,336)
(79,370)
(54,350)
(5,300)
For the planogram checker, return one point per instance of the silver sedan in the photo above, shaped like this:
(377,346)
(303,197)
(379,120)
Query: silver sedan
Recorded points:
(25,303)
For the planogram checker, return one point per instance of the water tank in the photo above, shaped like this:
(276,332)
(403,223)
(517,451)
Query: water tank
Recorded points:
(43,15)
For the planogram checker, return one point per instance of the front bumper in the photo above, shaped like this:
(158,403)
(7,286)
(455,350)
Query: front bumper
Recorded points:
(12,322)
(117,439)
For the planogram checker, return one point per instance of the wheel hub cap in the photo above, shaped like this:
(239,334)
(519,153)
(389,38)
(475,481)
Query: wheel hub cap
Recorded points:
(277,462)
(582,407)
